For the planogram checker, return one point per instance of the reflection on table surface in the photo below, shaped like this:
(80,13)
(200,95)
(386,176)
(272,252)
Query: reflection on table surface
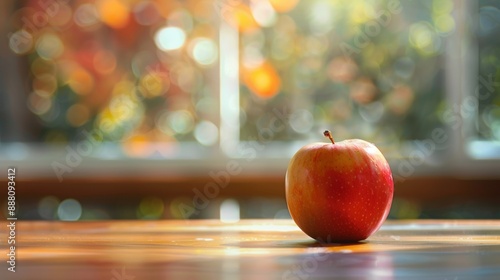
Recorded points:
(252,249)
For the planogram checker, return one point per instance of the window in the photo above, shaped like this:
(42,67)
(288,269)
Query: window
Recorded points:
(114,83)
(483,104)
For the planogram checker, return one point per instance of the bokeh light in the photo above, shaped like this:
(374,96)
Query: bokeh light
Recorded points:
(179,207)
(47,207)
(153,84)
(302,121)
(138,145)
(240,17)
(206,133)
(321,18)
(39,104)
(187,78)
(205,51)
(86,15)
(444,23)
(45,85)
(69,210)
(61,19)
(342,69)
(77,115)
(104,62)
(252,56)
(21,42)
(283,6)
(146,12)
(49,46)
(229,211)
(170,38)
(42,67)
(181,121)
(263,13)
(400,100)
(263,80)
(442,7)
(363,91)
(182,19)
(424,39)
(81,81)
(150,208)
(114,13)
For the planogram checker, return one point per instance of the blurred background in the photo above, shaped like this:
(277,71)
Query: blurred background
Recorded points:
(159,109)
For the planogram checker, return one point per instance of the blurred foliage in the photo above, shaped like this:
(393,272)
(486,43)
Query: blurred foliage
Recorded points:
(488,83)
(146,71)
(366,69)
(133,72)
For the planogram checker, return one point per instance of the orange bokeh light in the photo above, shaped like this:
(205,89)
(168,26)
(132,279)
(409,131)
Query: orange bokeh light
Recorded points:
(283,6)
(114,13)
(240,16)
(262,80)
(81,81)
(138,146)
(342,69)
(363,91)
(399,101)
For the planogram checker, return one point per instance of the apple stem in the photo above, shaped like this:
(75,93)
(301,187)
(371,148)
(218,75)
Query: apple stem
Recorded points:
(328,134)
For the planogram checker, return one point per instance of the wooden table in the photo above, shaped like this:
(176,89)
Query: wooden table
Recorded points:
(250,249)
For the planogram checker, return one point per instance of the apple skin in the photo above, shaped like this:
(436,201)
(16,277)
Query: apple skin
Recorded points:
(339,192)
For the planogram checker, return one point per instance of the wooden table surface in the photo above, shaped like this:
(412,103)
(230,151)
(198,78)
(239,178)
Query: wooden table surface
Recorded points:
(250,249)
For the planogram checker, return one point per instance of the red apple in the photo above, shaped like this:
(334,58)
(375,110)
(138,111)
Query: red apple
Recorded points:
(339,191)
